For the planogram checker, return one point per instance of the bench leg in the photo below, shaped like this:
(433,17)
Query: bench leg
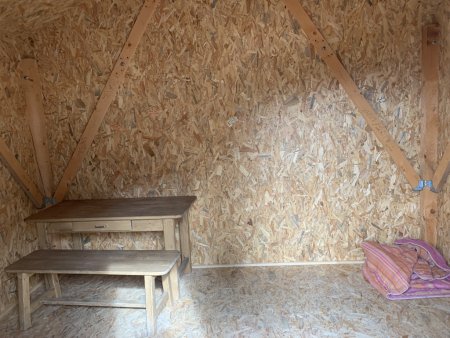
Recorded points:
(167,287)
(24,300)
(150,304)
(55,284)
(170,284)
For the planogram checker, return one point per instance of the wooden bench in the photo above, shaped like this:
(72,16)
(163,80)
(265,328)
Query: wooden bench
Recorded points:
(147,263)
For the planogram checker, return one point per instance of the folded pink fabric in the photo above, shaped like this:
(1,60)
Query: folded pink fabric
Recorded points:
(408,269)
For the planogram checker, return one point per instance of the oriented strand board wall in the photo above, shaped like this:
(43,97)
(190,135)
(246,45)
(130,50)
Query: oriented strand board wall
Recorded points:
(444,109)
(230,104)
(16,237)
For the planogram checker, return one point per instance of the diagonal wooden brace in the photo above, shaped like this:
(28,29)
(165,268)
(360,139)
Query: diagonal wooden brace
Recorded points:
(324,50)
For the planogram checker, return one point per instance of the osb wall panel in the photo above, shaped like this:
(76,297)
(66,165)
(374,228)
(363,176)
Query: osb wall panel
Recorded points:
(444,110)
(227,101)
(16,237)
(230,103)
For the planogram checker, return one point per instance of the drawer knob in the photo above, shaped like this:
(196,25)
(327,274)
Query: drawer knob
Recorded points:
(100,226)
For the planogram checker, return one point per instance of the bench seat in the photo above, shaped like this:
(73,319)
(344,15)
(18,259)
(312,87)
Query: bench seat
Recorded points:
(146,263)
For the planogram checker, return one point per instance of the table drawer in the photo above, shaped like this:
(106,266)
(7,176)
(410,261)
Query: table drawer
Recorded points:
(56,228)
(101,226)
(147,225)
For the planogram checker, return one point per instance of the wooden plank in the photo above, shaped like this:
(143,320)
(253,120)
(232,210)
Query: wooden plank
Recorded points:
(430,128)
(161,303)
(443,169)
(150,304)
(115,209)
(338,70)
(106,98)
(74,302)
(100,262)
(20,175)
(31,84)
(24,300)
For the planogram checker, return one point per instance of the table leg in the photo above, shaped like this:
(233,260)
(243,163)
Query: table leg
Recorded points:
(43,244)
(24,300)
(169,234)
(185,241)
(55,284)
(77,241)
(150,304)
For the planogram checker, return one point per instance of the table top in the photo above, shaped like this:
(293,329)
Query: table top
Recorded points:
(115,209)
(98,262)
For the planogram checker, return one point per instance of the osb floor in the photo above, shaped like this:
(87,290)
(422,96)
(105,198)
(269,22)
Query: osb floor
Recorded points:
(310,301)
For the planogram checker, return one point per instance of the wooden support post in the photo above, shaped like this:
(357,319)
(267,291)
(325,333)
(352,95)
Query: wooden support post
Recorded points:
(31,83)
(20,175)
(106,98)
(430,128)
(324,50)
(443,169)
(24,300)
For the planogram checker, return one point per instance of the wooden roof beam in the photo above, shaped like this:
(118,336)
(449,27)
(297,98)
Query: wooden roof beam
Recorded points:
(324,50)
(20,175)
(108,95)
(31,84)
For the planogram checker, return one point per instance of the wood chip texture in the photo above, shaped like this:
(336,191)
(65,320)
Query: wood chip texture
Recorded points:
(246,302)
(230,103)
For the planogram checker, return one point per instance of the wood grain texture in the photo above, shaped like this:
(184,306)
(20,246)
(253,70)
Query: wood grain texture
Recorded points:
(169,234)
(109,93)
(442,170)
(23,288)
(55,285)
(430,128)
(323,49)
(102,303)
(20,175)
(115,209)
(150,304)
(31,83)
(185,241)
(102,262)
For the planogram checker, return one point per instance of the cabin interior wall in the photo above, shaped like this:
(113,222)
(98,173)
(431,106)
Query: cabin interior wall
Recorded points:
(17,238)
(232,105)
(443,18)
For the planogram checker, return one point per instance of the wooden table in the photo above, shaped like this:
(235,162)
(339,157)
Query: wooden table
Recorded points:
(120,215)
